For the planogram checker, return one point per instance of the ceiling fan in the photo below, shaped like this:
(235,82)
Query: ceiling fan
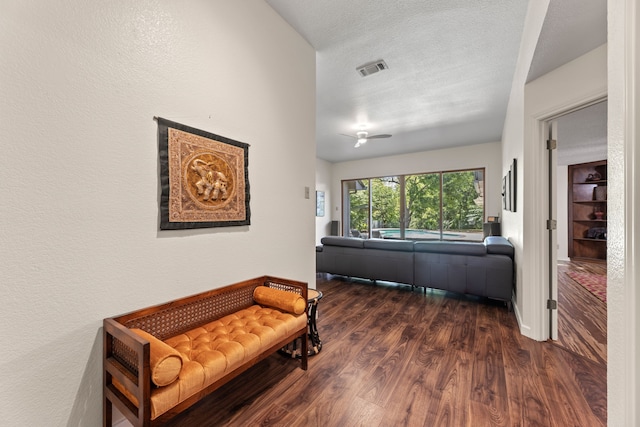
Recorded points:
(363,136)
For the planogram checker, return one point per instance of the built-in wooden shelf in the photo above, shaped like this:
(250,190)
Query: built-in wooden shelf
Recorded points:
(587,185)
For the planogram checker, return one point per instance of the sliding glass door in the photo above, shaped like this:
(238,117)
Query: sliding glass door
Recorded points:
(356,203)
(430,206)
(423,207)
(462,205)
(385,205)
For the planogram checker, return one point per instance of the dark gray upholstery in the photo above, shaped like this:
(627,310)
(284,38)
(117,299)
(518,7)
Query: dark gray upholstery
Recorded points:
(347,242)
(390,260)
(477,268)
(389,245)
(498,245)
(465,248)
(343,255)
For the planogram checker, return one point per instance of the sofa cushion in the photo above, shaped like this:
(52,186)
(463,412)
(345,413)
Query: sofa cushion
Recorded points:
(456,248)
(282,300)
(389,245)
(165,362)
(349,242)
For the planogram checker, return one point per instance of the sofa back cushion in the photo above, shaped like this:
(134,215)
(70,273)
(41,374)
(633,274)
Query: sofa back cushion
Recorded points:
(389,245)
(347,242)
(456,248)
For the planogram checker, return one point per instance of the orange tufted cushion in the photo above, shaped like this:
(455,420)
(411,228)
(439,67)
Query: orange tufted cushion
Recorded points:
(166,362)
(282,300)
(217,348)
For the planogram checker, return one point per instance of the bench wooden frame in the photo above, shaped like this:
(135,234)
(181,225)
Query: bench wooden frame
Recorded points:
(126,355)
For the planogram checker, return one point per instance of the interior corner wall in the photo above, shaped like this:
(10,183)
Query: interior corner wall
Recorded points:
(486,156)
(573,85)
(513,148)
(80,83)
(568,86)
(323,183)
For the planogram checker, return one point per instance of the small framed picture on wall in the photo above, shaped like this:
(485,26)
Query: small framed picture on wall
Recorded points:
(319,203)
(505,193)
(513,173)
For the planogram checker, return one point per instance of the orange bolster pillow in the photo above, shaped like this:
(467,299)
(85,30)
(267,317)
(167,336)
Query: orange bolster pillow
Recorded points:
(282,300)
(165,361)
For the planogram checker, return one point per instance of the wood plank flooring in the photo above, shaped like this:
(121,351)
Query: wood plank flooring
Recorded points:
(393,357)
(582,317)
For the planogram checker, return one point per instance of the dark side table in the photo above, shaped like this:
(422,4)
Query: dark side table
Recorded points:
(294,349)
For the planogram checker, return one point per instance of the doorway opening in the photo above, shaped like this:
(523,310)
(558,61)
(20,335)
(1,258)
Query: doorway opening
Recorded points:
(580,245)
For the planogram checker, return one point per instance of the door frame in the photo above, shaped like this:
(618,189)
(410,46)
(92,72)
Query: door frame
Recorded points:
(547,261)
(551,144)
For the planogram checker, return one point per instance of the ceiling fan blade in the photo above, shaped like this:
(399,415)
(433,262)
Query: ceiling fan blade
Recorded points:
(350,136)
(382,135)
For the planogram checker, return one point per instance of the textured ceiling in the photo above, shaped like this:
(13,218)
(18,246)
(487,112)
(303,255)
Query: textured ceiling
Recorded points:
(582,135)
(571,29)
(451,65)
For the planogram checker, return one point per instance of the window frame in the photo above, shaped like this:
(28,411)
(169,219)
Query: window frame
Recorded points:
(359,184)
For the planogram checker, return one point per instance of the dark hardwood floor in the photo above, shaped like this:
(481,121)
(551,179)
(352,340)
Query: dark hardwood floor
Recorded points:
(582,317)
(393,357)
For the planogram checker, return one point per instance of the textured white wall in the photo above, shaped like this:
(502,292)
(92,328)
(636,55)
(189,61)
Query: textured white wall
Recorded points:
(623,214)
(80,83)
(579,82)
(513,145)
(560,89)
(486,156)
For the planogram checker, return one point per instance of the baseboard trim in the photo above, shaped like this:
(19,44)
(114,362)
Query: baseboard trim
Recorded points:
(524,330)
(120,420)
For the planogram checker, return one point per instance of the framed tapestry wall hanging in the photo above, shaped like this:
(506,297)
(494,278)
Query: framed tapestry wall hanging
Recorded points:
(204,178)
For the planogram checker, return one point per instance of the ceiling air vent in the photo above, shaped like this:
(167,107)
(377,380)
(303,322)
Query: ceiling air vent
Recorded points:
(372,67)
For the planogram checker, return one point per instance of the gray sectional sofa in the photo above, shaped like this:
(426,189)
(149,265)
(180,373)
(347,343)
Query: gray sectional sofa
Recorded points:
(483,269)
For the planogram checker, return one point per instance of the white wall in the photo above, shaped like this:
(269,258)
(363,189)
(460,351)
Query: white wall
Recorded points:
(323,183)
(579,82)
(623,214)
(513,146)
(80,83)
(574,83)
(620,74)
(475,156)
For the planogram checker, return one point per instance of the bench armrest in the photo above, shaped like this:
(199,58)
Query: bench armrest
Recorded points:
(126,359)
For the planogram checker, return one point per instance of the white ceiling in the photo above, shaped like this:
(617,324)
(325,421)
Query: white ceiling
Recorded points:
(451,64)
(571,29)
(582,135)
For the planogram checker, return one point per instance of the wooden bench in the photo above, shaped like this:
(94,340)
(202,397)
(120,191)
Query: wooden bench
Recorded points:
(209,338)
